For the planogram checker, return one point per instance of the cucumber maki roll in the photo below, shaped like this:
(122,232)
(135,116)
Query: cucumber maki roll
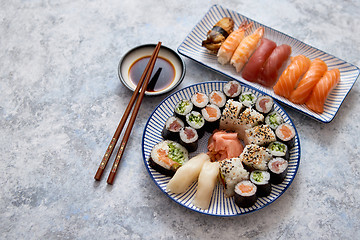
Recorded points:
(248,99)
(218,98)
(278,170)
(261,180)
(286,134)
(172,128)
(182,108)
(199,100)
(274,119)
(211,114)
(279,149)
(167,156)
(232,89)
(264,104)
(196,120)
(245,194)
(189,138)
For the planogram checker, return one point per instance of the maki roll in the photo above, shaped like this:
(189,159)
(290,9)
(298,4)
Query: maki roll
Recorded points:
(248,99)
(232,89)
(274,119)
(255,157)
(211,114)
(167,156)
(182,108)
(286,133)
(261,180)
(260,135)
(264,104)
(199,100)
(245,194)
(172,128)
(278,170)
(189,138)
(218,98)
(279,149)
(196,120)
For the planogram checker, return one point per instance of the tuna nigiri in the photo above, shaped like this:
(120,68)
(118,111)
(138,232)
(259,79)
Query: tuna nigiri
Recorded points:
(257,60)
(288,79)
(316,70)
(322,89)
(270,70)
(229,46)
(246,47)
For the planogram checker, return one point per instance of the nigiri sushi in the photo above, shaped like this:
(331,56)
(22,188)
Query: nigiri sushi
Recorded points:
(217,35)
(322,89)
(246,47)
(288,79)
(316,70)
(229,46)
(270,70)
(257,60)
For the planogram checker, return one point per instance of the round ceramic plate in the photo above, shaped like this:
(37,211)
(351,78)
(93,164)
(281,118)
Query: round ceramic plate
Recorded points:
(220,205)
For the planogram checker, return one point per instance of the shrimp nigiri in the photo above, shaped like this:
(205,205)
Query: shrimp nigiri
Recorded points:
(230,44)
(316,70)
(322,89)
(288,79)
(246,47)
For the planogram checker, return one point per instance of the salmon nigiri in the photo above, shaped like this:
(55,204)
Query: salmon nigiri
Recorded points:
(316,70)
(229,46)
(252,68)
(246,47)
(322,89)
(288,79)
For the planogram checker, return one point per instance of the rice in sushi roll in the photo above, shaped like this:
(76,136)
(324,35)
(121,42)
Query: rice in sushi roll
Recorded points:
(248,99)
(274,119)
(278,170)
(245,194)
(260,135)
(182,108)
(286,134)
(255,157)
(218,98)
(261,180)
(189,138)
(211,114)
(196,120)
(172,128)
(199,100)
(264,104)
(232,89)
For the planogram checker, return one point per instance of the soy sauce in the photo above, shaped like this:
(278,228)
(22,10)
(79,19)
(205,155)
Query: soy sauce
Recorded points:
(166,76)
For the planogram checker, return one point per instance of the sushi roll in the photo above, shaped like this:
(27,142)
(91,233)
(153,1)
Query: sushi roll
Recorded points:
(199,100)
(261,180)
(274,119)
(247,119)
(255,157)
(167,156)
(189,138)
(211,114)
(264,104)
(172,128)
(182,108)
(248,99)
(286,134)
(196,120)
(260,135)
(218,98)
(232,89)
(232,171)
(279,149)
(245,194)
(278,170)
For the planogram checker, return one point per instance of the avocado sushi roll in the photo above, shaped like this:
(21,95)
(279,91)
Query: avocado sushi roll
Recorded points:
(261,180)
(279,149)
(196,120)
(182,108)
(274,119)
(248,99)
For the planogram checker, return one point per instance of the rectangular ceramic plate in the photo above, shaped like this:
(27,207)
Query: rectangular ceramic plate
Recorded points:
(191,48)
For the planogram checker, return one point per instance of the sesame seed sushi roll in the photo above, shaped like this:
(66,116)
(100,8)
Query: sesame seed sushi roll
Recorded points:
(196,120)
(261,180)
(245,194)
(279,149)
(167,156)
(260,135)
(255,157)
(264,104)
(274,119)
(218,98)
(232,89)
(199,100)
(248,99)
(172,128)
(211,114)
(189,138)
(182,108)
(286,134)
(278,170)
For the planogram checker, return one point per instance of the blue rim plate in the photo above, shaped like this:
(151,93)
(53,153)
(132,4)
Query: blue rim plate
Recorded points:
(220,205)
(191,48)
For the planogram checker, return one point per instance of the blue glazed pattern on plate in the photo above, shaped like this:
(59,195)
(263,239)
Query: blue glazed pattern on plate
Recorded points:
(220,205)
(191,48)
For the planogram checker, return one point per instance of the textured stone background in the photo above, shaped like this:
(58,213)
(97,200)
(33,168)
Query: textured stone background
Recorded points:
(61,101)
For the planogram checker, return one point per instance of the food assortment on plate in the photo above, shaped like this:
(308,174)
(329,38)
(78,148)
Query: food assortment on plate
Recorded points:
(248,145)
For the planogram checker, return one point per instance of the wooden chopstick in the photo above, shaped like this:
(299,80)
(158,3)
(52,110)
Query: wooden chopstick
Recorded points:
(120,153)
(121,125)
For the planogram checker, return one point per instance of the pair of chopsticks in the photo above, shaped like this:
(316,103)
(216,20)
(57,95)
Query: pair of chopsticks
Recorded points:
(145,77)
